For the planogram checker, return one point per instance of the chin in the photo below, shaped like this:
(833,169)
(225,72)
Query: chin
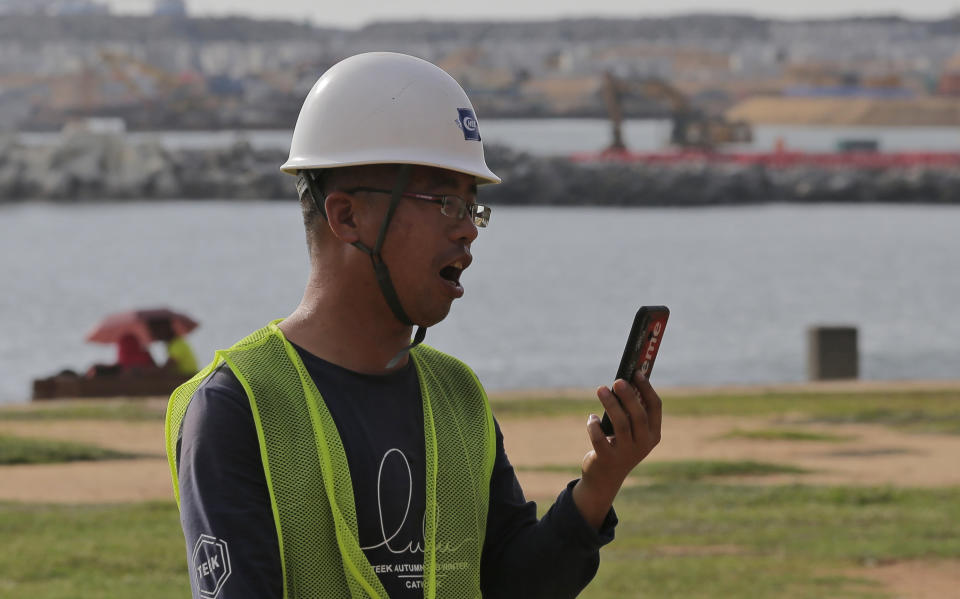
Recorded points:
(434,316)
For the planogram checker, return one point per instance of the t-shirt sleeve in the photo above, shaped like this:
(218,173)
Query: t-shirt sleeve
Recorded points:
(554,557)
(225,509)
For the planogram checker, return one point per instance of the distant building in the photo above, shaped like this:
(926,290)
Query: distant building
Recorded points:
(79,7)
(170,8)
(53,7)
(19,7)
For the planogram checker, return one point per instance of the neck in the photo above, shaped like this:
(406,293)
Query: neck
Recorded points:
(336,323)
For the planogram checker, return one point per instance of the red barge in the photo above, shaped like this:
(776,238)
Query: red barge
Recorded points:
(780,158)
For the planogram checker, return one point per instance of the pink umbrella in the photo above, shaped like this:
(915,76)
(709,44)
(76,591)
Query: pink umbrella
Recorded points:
(137,323)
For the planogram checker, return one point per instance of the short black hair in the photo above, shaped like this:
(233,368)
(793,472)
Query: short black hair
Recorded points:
(310,184)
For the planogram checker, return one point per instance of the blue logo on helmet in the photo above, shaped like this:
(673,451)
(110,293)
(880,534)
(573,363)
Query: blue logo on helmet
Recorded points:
(468,124)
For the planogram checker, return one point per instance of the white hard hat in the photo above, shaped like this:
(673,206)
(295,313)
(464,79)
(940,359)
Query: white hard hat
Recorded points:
(383,108)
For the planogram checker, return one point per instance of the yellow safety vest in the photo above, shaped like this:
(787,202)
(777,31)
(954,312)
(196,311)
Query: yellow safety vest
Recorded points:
(309,479)
(179,350)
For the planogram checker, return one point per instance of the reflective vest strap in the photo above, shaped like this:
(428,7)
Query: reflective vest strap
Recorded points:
(307,472)
(466,442)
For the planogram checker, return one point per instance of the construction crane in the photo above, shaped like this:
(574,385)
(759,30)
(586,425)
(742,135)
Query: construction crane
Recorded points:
(691,127)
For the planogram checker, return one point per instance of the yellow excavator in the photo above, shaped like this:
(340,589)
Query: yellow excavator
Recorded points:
(169,90)
(692,128)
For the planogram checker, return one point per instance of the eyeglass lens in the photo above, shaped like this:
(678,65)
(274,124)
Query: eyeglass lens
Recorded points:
(455,207)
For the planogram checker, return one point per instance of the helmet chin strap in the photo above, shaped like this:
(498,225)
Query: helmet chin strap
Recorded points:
(379,266)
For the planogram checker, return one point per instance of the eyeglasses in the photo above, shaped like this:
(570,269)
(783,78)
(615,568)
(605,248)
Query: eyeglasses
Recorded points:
(450,205)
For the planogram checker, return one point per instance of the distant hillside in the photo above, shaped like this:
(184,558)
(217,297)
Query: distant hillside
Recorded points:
(92,28)
(574,30)
(33,28)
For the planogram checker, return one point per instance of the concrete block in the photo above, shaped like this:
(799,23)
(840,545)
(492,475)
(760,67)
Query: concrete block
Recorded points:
(832,353)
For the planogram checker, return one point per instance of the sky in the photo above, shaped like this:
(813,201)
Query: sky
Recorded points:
(355,13)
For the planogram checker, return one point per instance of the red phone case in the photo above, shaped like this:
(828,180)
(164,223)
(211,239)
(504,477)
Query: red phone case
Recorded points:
(643,343)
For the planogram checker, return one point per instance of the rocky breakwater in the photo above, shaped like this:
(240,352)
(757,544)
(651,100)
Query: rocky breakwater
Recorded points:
(709,182)
(89,166)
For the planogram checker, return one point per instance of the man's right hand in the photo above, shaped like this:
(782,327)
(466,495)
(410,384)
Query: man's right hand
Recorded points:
(636,420)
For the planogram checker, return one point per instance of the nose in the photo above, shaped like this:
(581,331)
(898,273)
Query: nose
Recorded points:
(465,230)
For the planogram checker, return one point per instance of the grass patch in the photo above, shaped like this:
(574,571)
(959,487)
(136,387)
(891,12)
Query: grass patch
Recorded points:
(114,409)
(785,435)
(21,450)
(692,470)
(557,468)
(920,411)
(107,552)
(917,411)
(685,470)
(794,542)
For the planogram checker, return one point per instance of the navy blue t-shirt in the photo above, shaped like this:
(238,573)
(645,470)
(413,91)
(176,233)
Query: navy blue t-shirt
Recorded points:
(227,518)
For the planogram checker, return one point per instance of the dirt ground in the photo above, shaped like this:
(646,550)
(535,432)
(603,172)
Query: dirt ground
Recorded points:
(872,455)
(916,579)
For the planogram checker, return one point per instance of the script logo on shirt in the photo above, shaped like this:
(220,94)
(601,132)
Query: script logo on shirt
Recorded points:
(211,565)
(392,532)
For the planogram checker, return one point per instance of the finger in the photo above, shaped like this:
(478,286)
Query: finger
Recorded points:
(597,438)
(618,417)
(652,403)
(632,404)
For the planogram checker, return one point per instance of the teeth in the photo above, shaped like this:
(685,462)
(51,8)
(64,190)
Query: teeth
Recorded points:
(458,265)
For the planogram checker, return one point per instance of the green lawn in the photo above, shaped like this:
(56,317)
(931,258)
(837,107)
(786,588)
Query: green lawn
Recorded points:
(687,470)
(114,409)
(683,535)
(779,434)
(691,470)
(920,411)
(674,540)
(718,541)
(20,450)
(96,552)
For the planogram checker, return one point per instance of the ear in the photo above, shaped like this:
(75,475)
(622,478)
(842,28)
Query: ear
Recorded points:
(342,216)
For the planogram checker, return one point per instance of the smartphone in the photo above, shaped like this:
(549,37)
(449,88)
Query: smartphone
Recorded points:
(641,350)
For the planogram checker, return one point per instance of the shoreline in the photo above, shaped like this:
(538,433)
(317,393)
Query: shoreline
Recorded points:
(838,386)
(574,393)
(87,166)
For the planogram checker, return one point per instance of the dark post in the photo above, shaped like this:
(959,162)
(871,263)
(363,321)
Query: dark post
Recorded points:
(832,353)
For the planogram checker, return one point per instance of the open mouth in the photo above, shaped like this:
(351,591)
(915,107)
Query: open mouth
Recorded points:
(452,273)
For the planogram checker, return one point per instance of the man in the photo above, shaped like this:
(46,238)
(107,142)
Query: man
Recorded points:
(328,456)
(180,357)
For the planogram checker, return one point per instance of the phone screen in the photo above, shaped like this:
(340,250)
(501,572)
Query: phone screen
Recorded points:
(640,353)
